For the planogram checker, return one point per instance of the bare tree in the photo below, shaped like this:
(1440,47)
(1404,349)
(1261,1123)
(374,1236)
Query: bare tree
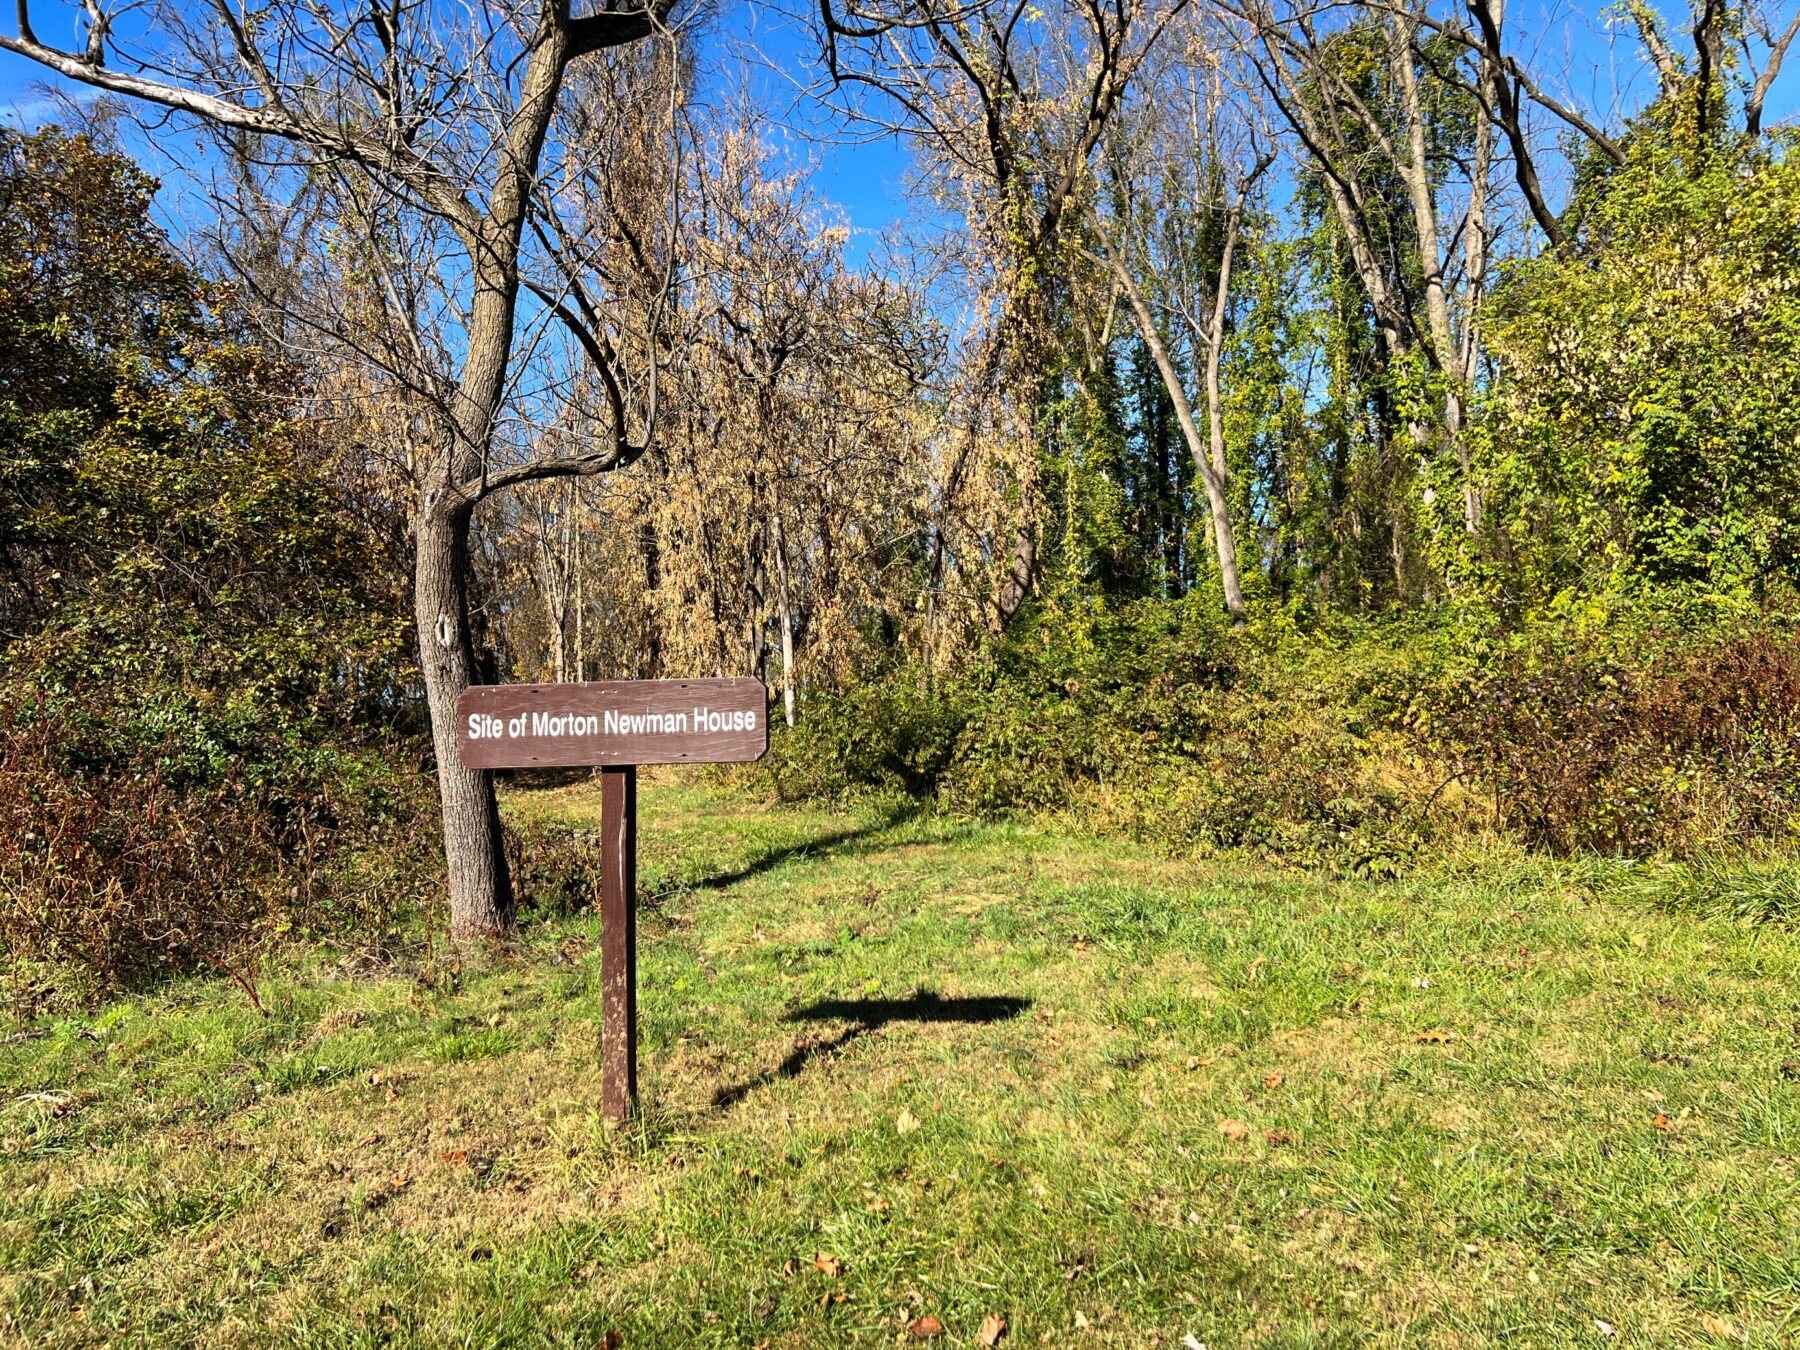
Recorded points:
(447,122)
(1005,104)
(1178,172)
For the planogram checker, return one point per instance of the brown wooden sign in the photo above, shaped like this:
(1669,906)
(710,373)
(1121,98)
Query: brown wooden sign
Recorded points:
(612,722)
(617,725)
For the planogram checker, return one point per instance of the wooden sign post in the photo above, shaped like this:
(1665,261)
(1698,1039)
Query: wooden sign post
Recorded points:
(616,725)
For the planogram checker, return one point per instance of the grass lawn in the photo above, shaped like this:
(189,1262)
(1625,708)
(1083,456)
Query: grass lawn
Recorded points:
(906,1068)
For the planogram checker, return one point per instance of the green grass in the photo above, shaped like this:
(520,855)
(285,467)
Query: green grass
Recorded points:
(984,1068)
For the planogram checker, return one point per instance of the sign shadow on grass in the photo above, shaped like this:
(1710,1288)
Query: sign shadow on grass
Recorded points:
(871,1014)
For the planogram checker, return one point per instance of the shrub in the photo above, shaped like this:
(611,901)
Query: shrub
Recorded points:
(555,865)
(199,642)
(125,874)
(895,730)
(1355,746)
(1683,746)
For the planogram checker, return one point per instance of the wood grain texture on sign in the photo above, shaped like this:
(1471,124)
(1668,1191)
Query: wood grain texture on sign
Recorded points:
(616,722)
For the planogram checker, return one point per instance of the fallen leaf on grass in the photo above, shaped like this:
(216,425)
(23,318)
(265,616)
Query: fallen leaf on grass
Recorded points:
(826,1300)
(611,1341)
(456,1155)
(1605,1328)
(1436,1036)
(906,1122)
(993,1327)
(1254,966)
(1234,1129)
(1281,1138)
(924,1328)
(1719,1328)
(1661,1122)
(877,1206)
(828,1265)
(401,1182)
(1274,1080)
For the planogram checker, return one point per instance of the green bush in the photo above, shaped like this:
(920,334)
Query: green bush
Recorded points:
(204,704)
(1355,746)
(895,730)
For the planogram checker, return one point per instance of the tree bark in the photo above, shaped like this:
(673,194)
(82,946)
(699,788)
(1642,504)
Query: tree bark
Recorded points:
(481,899)
(1224,541)
(785,606)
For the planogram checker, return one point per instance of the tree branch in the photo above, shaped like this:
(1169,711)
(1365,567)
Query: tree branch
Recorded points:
(277,120)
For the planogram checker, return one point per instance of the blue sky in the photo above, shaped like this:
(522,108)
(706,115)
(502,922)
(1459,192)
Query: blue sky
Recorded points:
(748,45)
(758,46)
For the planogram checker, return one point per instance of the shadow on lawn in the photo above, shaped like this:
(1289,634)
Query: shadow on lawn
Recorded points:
(870,1014)
(823,845)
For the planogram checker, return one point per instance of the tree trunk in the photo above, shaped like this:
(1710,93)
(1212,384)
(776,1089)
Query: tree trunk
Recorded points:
(1219,504)
(785,606)
(1015,587)
(481,899)
(1223,538)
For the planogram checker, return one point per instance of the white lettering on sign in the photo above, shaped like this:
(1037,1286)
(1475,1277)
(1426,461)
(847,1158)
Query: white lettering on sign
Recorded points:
(705,719)
(483,727)
(636,724)
(486,727)
(564,724)
(716,721)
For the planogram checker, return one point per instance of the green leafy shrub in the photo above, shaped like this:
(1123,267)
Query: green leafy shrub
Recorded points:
(895,730)
(1154,719)
(1358,746)
(555,865)
(200,651)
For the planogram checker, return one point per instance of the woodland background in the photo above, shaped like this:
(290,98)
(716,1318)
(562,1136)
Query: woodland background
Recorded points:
(1303,433)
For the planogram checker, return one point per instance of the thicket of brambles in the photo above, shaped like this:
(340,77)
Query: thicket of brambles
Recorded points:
(1264,446)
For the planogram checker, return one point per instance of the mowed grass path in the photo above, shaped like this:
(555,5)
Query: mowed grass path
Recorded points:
(1111,1099)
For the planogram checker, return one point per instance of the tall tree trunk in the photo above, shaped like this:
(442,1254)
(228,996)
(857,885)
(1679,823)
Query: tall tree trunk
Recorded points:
(1224,542)
(1223,538)
(785,605)
(481,900)
(1415,169)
